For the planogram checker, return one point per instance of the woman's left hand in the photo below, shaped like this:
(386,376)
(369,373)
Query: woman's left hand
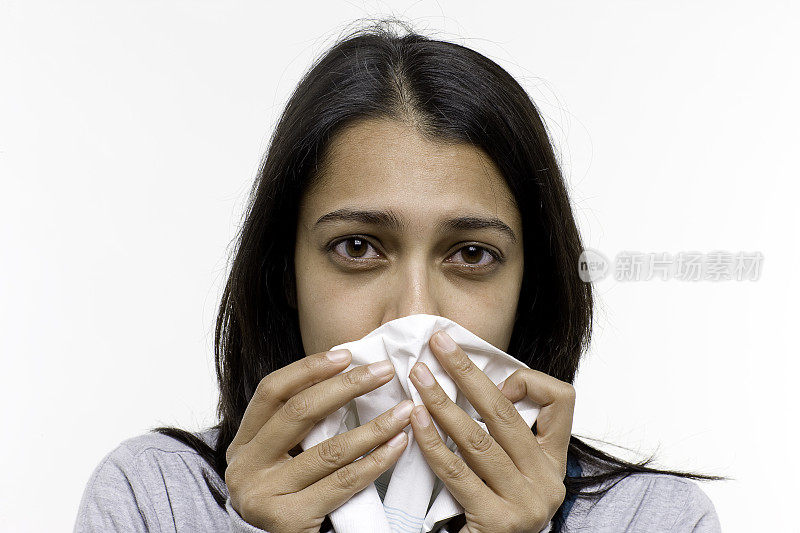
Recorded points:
(513,480)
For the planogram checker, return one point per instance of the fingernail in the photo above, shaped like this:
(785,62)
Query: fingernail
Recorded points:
(381,368)
(402,411)
(397,440)
(423,374)
(421,414)
(337,356)
(444,342)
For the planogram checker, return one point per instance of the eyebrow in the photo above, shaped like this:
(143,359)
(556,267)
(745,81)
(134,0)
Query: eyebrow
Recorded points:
(390,220)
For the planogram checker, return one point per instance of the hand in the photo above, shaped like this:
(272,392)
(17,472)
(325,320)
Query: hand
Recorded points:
(279,493)
(512,480)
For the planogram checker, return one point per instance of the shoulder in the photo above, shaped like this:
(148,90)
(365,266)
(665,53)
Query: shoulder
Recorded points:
(154,455)
(143,448)
(153,440)
(144,481)
(647,502)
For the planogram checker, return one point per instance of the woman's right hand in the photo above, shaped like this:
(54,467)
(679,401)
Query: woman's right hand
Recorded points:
(279,493)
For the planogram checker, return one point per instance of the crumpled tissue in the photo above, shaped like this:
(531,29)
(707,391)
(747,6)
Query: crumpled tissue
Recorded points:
(414,499)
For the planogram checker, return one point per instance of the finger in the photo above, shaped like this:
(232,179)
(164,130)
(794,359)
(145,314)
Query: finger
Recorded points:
(295,418)
(480,450)
(501,417)
(464,484)
(332,491)
(340,450)
(282,384)
(557,398)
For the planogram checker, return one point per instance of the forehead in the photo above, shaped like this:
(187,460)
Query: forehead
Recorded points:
(385,163)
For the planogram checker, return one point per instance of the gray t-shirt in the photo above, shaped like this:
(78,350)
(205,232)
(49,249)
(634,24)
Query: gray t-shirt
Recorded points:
(153,482)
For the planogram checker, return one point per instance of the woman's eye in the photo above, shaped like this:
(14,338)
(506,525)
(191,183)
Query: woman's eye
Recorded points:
(476,256)
(353,248)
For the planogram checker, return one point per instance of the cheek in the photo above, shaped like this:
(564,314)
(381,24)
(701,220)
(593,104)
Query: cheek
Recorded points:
(490,320)
(332,308)
(488,310)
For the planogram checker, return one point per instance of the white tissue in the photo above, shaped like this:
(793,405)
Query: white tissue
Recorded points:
(412,485)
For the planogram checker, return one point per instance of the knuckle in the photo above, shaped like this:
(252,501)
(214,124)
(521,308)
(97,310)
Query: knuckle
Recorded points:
(353,378)
(346,478)
(232,478)
(265,390)
(309,364)
(330,451)
(377,458)
(229,453)
(558,495)
(438,401)
(296,408)
(514,376)
(247,504)
(504,410)
(315,367)
(480,441)
(455,469)
(568,391)
(381,426)
(550,498)
(463,365)
(236,480)
(254,508)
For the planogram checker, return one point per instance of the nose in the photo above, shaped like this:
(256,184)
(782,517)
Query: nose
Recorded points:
(412,289)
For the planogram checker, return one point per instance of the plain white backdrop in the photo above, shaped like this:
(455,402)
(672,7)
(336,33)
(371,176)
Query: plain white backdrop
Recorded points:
(130,133)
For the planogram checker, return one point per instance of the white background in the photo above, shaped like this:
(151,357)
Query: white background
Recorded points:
(130,133)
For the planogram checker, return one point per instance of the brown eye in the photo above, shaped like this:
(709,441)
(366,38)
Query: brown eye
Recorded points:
(355,247)
(473,254)
(477,256)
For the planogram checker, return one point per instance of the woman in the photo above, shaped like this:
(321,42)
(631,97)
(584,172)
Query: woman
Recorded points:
(406,175)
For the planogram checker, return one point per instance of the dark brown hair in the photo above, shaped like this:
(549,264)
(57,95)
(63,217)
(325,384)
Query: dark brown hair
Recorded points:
(451,94)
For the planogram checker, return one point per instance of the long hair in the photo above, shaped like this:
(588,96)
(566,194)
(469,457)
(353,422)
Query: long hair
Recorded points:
(450,93)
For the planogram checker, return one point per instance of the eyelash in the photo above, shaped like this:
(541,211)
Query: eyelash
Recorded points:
(333,244)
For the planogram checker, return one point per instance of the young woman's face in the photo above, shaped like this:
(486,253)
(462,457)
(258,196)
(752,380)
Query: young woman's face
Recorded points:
(355,271)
